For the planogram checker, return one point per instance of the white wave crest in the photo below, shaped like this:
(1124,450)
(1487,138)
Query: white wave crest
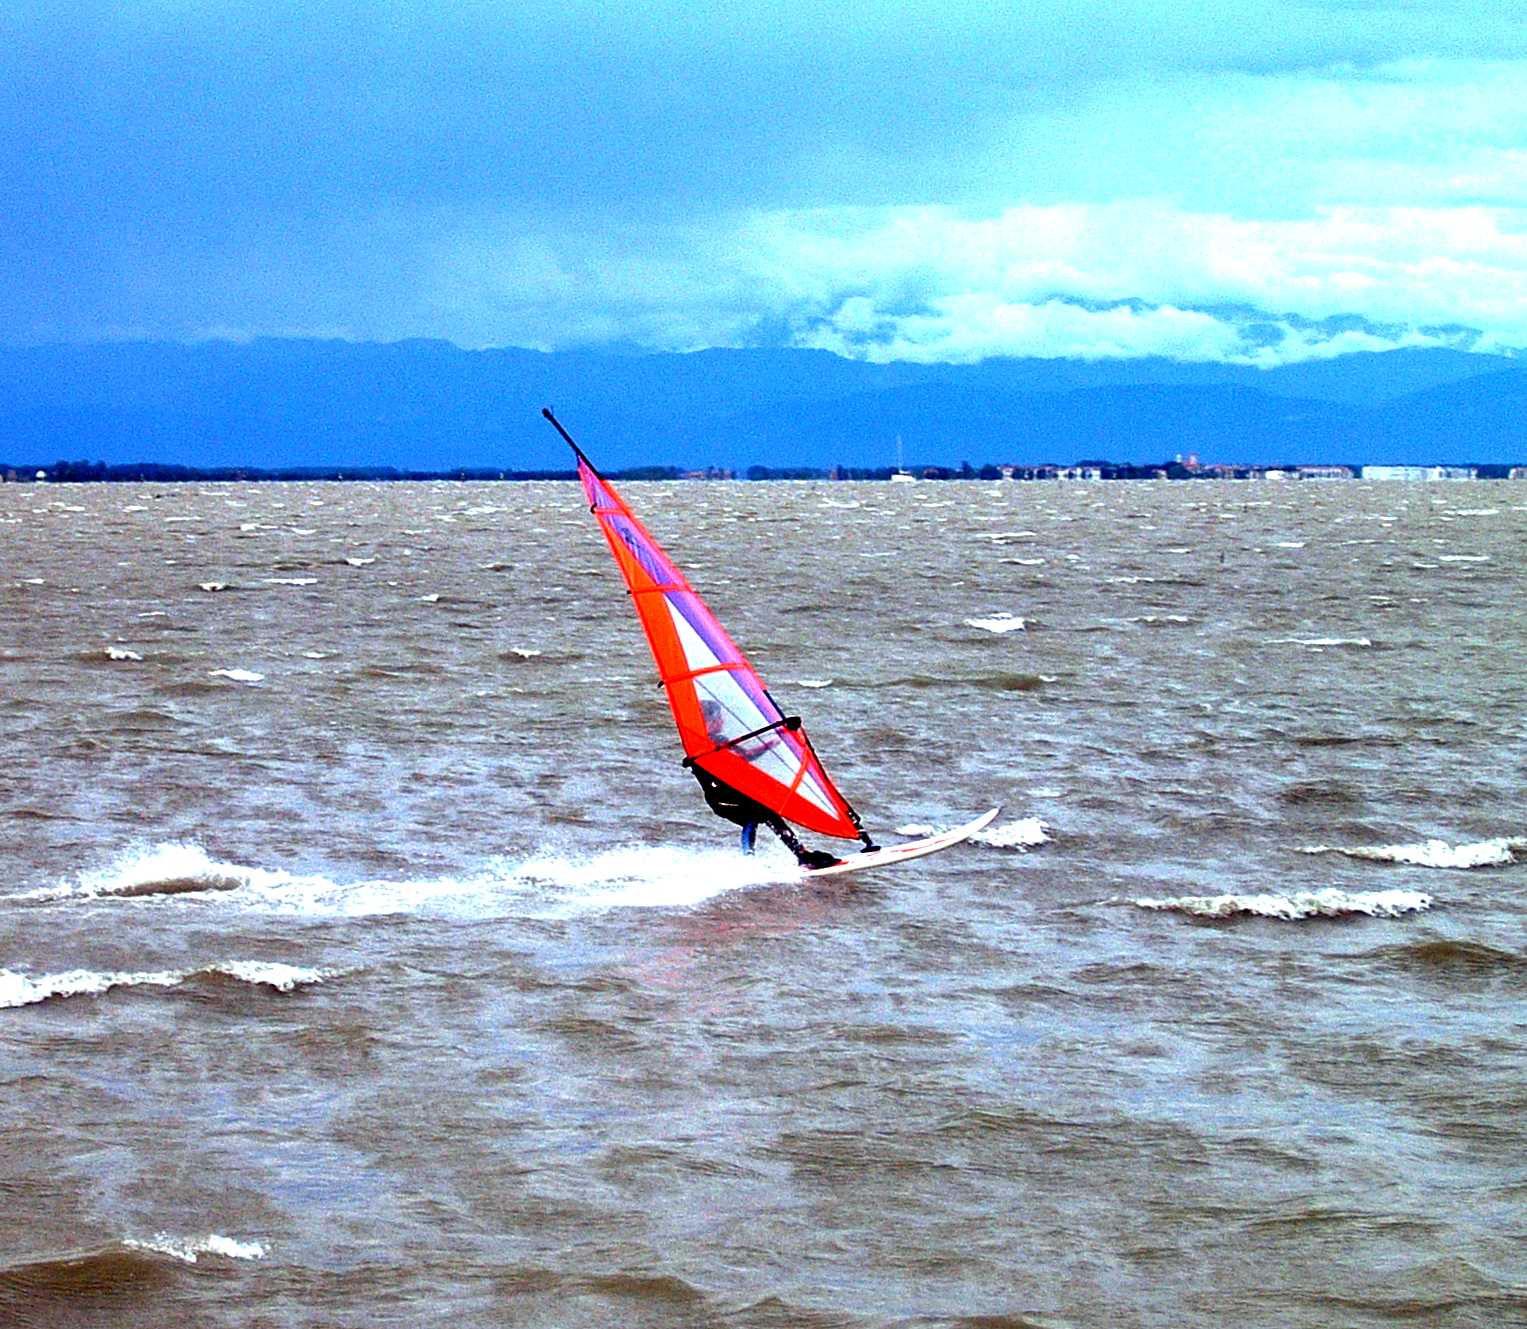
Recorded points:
(1326,903)
(1001,622)
(1320,642)
(1022,834)
(270,973)
(237,675)
(189,1248)
(19,989)
(1499,852)
(163,869)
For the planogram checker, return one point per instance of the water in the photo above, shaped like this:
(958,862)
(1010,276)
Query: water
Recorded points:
(367,959)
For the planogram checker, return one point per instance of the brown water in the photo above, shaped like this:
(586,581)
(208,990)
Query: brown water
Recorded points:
(367,959)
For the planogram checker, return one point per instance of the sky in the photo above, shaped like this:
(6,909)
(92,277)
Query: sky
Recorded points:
(1260,181)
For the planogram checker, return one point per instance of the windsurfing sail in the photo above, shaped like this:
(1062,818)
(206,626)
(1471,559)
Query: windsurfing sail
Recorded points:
(729,725)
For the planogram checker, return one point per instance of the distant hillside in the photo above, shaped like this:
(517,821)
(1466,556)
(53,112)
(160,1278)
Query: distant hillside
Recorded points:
(431,406)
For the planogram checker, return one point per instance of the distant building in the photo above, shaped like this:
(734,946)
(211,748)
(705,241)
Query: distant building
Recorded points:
(1517,473)
(1420,473)
(1324,472)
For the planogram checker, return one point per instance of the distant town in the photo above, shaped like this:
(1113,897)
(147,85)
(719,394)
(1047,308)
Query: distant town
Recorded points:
(1179,468)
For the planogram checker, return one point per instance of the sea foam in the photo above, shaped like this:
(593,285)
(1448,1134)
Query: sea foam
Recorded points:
(189,1248)
(1023,834)
(547,884)
(1326,903)
(19,989)
(1499,852)
(1001,622)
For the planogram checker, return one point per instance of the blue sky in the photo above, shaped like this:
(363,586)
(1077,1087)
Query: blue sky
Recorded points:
(932,181)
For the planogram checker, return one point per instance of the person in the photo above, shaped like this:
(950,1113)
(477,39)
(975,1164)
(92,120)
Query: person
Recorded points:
(731,805)
(749,814)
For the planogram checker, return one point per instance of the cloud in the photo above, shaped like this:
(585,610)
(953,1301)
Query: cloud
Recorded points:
(931,283)
(947,179)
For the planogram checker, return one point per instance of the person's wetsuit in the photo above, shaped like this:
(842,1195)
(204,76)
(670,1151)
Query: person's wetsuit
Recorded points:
(743,811)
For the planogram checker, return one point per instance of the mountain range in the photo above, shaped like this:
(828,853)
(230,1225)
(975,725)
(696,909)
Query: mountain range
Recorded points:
(429,405)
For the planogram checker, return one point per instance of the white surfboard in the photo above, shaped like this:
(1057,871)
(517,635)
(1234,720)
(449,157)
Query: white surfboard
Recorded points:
(900,853)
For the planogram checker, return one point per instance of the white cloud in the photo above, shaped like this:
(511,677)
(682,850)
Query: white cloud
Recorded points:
(929,283)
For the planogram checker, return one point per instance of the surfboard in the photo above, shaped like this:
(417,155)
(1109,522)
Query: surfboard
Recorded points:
(902,853)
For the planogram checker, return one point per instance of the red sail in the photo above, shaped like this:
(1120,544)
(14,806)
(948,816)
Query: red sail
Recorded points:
(728,723)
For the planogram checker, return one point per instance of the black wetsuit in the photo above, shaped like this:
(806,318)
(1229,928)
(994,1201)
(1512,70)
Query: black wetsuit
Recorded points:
(743,811)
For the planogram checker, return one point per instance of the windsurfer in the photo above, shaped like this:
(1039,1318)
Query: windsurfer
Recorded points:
(743,811)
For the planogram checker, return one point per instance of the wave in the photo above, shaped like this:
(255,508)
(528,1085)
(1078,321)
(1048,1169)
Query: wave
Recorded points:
(1320,643)
(1442,957)
(237,675)
(165,869)
(187,1249)
(1499,852)
(998,623)
(1023,834)
(1326,903)
(1002,682)
(18,989)
(547,884)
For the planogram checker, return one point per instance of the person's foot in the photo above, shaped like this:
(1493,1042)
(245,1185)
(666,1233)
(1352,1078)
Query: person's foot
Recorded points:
(818,858)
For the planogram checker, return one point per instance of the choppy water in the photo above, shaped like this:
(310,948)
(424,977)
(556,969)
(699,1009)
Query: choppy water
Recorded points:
(367,959)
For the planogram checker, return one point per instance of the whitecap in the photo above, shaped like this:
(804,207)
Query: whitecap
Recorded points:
(1327,903)
(20,989)
(213,585)
(1023,833)
(524,652)
(270,973)
(360,562)
(1024,562)
(1320,642)
(1499,852)
(292,581)
(119,653)
(189,1248)
(163,869)
(999,623)
(810,682)
(237,675)
(1463,558)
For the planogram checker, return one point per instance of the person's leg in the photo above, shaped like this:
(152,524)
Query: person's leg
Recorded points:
(807,858)
(749,834)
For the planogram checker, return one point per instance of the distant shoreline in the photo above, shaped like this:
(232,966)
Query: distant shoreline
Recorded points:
(80,472)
